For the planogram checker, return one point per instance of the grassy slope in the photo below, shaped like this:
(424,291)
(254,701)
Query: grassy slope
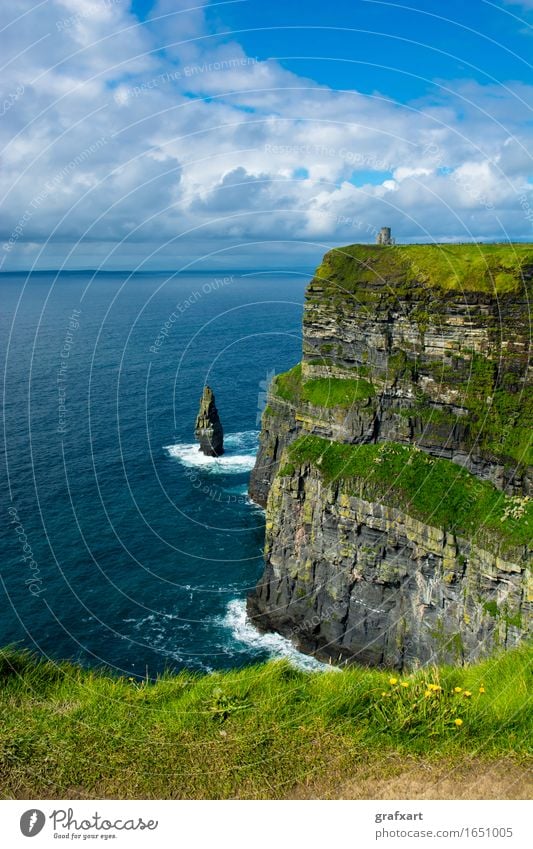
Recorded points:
(326,392)
(267,731)
(336,392)
(467,267)
(436,491)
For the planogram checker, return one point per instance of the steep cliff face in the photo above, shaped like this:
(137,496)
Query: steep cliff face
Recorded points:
(414,349)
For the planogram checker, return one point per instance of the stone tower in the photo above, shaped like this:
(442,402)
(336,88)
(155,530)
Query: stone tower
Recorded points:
(384,237)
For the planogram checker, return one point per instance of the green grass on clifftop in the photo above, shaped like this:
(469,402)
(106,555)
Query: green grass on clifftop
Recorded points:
(335,392)
(261,732)
(323,391)
(497,268)
(438,492)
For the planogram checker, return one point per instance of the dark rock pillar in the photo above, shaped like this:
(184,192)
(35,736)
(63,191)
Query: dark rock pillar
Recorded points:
(208,430)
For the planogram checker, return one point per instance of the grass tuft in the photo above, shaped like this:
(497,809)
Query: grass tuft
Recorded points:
(258,732)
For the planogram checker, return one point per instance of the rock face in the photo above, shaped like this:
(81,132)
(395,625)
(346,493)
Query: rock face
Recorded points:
(208,429)
(390,558)
(347,578)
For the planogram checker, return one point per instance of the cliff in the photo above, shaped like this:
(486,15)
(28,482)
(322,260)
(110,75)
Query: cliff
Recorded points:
(395,459)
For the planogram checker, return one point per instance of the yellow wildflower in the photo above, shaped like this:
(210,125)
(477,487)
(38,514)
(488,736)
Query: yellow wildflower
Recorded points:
(434,687)
(405,683)
(467,693)
(482,689)
(458,722)
(457,689)
(393,681)
(384,694)
(428,693)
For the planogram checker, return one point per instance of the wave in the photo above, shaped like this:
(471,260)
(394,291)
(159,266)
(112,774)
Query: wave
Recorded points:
(242,491)
(251,503)
(246,440)
(156,623)
(257,642)
(240,450)
(158,632)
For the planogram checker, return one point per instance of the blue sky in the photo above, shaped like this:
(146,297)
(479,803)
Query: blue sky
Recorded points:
(414,43)
(242,134)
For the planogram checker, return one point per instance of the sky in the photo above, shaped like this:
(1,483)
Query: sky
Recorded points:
(186,135)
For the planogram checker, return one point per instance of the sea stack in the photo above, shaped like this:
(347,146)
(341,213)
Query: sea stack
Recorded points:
(208,430)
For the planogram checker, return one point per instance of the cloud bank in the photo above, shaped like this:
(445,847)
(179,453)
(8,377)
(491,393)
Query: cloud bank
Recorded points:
(156,143)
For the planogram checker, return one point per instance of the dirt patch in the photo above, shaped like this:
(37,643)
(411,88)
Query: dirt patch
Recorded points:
(411,778)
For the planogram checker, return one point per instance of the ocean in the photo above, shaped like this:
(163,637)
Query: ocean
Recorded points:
(121,544)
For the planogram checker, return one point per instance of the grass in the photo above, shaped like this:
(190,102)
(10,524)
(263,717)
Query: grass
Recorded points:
(495,269)
(288,385)
(336,392)
(323,391)
(264,731)
(503,426)
(436,491)
(429,413)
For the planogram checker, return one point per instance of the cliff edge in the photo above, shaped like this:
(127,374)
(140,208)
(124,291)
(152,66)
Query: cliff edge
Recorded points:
(395,459)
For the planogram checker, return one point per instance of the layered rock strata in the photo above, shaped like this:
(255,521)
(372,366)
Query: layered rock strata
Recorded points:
(424,348)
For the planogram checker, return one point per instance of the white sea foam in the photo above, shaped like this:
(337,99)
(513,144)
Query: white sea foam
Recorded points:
(246,440)
(240,450)
(242,631)
(158,632)
(255,506)
(156,622)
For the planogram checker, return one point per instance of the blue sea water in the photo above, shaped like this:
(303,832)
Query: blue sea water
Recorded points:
(129,548)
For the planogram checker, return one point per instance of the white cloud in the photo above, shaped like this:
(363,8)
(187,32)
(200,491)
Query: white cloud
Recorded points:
(404,173)
(145,144)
